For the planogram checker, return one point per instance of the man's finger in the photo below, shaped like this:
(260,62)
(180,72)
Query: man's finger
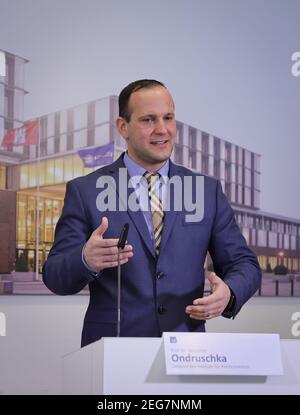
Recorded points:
(102,227)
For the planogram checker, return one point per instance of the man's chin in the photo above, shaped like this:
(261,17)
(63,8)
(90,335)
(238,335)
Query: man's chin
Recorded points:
(161,157)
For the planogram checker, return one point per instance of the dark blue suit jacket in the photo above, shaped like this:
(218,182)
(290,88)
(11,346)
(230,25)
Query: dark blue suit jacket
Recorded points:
(155,291)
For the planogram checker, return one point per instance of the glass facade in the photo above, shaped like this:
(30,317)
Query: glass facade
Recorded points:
(49,213)
(2,177)
(52,171)
(274,239)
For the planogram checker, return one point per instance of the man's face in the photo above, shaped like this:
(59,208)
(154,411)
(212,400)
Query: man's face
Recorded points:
(151,131)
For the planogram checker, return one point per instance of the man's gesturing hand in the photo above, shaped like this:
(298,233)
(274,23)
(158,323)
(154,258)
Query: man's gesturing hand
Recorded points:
(102,253)
(214,304)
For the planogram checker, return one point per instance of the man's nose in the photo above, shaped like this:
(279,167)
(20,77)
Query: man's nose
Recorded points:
(160,127)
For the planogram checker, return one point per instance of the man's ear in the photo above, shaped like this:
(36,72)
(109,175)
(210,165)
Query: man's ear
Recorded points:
(122,127)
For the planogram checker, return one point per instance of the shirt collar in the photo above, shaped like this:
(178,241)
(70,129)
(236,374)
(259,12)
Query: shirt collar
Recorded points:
(134,169)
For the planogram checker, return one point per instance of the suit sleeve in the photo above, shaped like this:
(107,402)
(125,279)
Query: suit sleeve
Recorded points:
(64,272)
(233,261)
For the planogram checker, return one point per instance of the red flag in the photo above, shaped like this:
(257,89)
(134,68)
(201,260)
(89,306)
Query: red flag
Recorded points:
(23,136)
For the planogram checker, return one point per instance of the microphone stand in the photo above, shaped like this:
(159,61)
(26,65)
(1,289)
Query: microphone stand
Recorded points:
(119,295)
(120,246)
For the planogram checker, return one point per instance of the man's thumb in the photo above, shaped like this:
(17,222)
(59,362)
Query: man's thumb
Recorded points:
(102,227)
(213,279)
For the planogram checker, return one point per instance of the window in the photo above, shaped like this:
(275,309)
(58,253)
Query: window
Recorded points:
(274,226)
(21,214)
(2,177)
(217,169)
(179,137)
(32,175)
(70,144)
(10,70)
(227,172)
(228,152)
(101,111)
(50,172)
(80,117)
(205,143)
(262,261)
(50,145)
(262,238)
(9,103)
(257,162)
(286,241)
(43,147)
(247,155)
(178,154)
(56,132)
(247,174)
(49,211)
(295,264)
(204,165)
(272,240)
(247,196)
(80,138)
(68,168)
(77,166)
(217,148)
(250,221)
(91,124)
(58,170)
(192,159)
(24,176)
(192,138)
(239,175)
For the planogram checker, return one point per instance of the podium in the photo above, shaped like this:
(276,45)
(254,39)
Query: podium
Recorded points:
(136,366)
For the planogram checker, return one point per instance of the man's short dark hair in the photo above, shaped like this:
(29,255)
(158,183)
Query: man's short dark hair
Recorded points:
(129,89)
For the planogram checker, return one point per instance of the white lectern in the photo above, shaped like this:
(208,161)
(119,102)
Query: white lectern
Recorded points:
(136,366)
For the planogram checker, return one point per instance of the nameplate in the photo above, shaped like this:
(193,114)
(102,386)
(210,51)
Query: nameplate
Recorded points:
(222,354)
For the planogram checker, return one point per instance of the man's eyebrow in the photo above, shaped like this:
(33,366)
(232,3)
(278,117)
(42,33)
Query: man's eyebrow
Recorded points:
(155,115)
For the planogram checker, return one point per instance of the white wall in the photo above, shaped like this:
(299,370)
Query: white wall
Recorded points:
(41,329)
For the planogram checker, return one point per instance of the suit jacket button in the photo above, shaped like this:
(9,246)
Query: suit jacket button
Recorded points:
(160,275)
(161,309)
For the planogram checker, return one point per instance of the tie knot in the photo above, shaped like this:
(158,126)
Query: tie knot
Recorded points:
(151,177)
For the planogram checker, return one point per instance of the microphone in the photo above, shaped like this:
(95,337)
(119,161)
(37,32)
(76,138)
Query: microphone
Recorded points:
(123,236)
(120,246)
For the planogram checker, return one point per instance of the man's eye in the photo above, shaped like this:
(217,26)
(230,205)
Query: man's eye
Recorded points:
(146,120)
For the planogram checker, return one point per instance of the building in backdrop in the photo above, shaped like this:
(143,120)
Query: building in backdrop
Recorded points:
(12,94)
(90,128)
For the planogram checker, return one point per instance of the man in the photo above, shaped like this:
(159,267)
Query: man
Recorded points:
(162,263)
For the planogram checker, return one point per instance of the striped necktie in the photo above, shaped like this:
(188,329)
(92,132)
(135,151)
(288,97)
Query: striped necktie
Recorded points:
(156,207)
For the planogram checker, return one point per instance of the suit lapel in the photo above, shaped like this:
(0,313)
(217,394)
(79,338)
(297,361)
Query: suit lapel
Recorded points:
(137,217)
(170,215)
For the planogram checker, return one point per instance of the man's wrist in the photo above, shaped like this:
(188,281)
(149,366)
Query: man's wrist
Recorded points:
(95,273)
(229,310)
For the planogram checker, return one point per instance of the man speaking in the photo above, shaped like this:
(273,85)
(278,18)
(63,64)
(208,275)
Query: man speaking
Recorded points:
(163,259)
